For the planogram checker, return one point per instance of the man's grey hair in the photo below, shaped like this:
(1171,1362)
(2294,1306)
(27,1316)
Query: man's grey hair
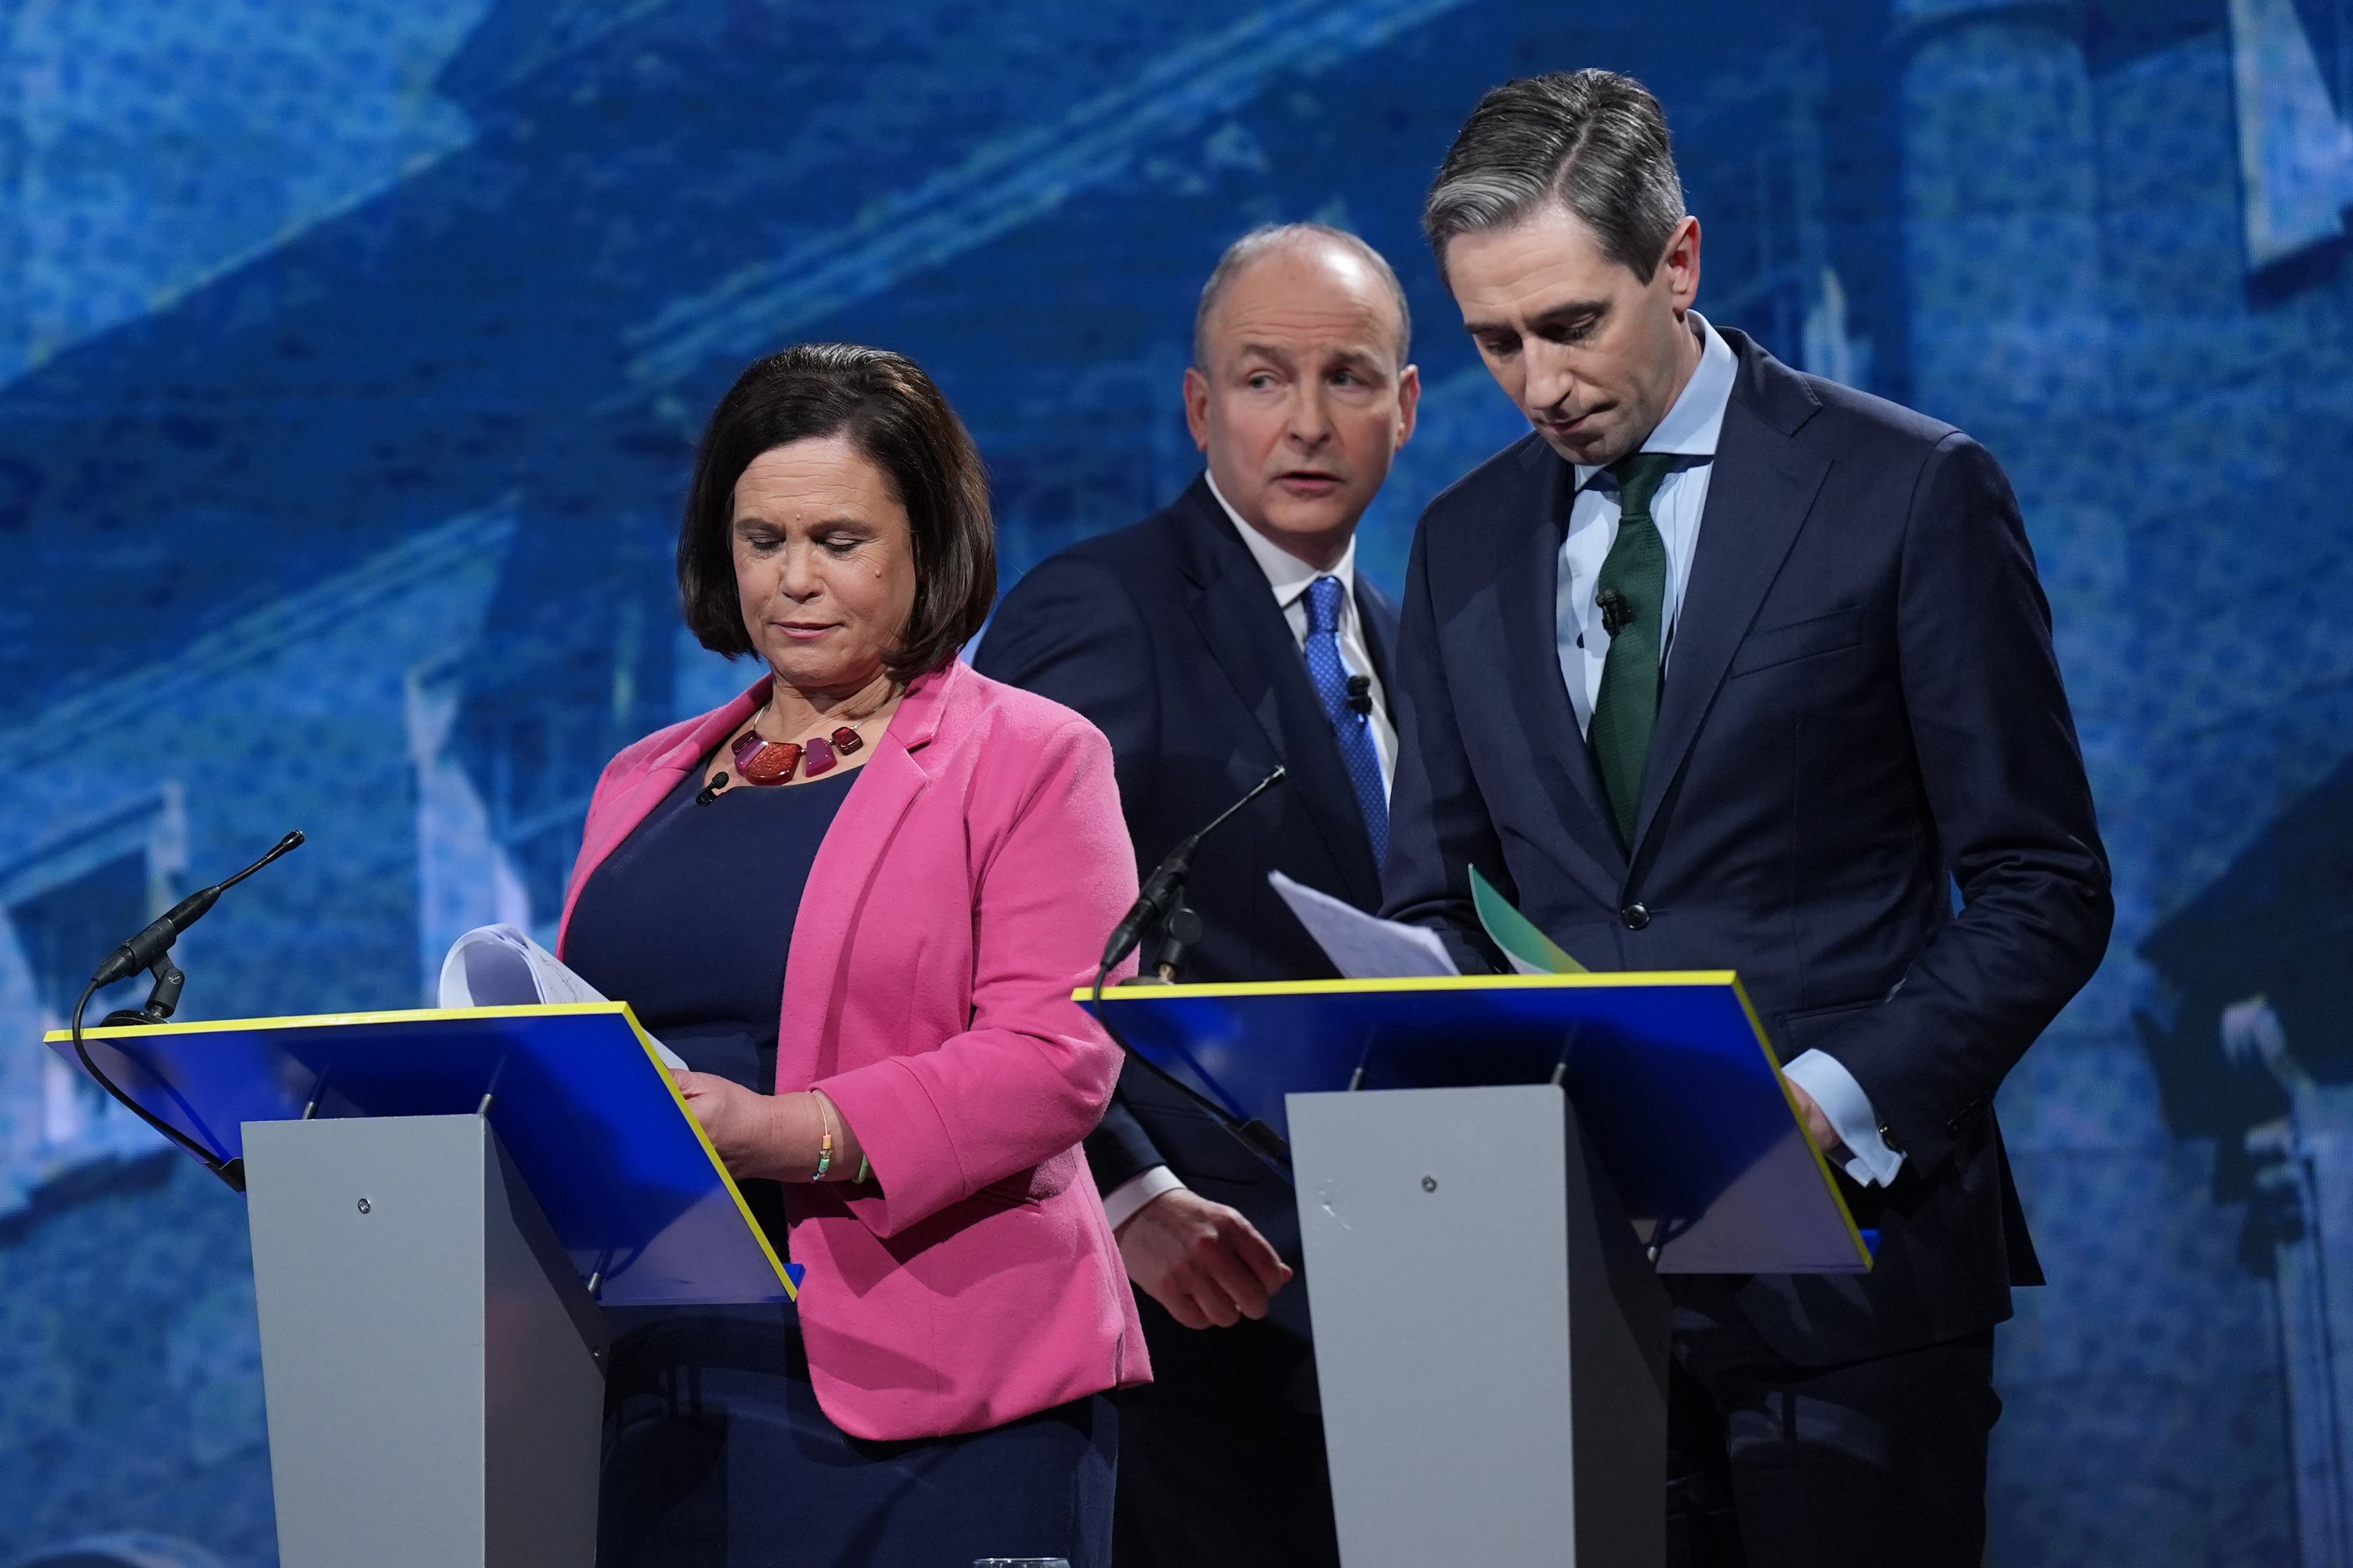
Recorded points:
(1592,140)
(1270,237)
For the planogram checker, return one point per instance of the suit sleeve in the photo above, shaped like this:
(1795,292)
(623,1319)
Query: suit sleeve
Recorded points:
(1069,631)
(1031,1075)
(2005,783)
(1439,825)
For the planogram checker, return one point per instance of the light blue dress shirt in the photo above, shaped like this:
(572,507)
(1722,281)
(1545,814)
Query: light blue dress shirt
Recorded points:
(1689,431)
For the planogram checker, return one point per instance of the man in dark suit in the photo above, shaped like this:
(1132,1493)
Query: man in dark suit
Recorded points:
(1211,642)
(1729,666)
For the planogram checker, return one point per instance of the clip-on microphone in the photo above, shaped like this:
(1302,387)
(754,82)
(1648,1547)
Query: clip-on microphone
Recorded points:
(1617,611)
(1163,899)
(151,949)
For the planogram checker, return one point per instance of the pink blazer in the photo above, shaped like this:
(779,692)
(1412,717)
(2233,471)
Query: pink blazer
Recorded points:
(965,889)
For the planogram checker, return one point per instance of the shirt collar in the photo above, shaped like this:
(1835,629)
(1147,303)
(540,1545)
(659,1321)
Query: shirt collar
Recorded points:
(1286,574)
(1692,425)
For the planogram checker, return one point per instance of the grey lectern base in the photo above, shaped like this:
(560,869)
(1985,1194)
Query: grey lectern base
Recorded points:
(429,1357)
(1490,1340)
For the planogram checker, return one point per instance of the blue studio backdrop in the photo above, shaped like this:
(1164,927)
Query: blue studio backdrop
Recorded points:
(351,358)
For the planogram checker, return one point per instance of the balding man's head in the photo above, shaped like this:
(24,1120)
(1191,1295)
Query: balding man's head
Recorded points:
(1299,395)
(1340,248)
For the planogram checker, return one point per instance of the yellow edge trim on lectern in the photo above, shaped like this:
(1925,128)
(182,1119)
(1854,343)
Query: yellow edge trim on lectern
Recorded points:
(320,1020)
(1431,982)
(413,1015)
(1822,1161)
(646,1042)
(1603,980)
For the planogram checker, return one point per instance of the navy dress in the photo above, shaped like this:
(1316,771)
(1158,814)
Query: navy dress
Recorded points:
(716,1454)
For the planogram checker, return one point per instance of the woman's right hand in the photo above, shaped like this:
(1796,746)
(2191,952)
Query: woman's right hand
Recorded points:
(773,1136)
(750,1130)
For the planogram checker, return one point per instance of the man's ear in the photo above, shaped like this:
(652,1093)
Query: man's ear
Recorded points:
(1408,403)
(1681,263)
(1197,406)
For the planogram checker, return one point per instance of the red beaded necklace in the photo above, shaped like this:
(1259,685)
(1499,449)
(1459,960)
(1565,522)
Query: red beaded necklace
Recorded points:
(760,761)
(764,761)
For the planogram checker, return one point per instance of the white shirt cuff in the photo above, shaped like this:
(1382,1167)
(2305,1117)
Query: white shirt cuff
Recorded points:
(1824,1076)
(1121,1203)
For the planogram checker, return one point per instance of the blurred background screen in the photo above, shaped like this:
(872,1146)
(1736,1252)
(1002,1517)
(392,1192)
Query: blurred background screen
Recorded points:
(351,361)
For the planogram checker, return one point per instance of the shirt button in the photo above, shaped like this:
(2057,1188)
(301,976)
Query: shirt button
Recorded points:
(1635,916)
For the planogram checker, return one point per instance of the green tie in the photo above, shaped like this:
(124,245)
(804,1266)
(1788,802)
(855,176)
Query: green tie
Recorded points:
(1632,593)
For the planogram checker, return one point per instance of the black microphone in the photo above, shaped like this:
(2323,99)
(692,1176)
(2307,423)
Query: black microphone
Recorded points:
(148,950)
(1360,694)
(142,951)
(1163,890)
(1166,884)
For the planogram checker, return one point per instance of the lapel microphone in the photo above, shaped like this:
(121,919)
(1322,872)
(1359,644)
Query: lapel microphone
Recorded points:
(1617,614)
(1360,695)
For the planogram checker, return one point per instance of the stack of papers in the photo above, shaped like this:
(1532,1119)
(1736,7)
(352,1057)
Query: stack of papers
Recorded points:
(1363,946)
(499,966)
(1366,947)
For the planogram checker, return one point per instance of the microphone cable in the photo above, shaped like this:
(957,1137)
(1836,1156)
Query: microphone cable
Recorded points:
(230,1170)
(1254,1135)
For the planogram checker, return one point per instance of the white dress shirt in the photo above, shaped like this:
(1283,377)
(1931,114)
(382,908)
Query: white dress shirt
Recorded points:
(1689,431)
(1289,577)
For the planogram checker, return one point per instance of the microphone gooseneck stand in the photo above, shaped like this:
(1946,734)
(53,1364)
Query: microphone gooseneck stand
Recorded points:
(151,949)
(1162,901)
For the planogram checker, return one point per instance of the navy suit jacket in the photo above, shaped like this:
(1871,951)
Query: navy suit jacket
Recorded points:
(1168,636)
(1861,710)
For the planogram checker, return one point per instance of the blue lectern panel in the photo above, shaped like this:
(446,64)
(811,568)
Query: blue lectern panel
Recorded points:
(590,1118)
(1672,1081)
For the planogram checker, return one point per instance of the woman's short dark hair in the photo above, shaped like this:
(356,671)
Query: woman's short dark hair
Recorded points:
(892,413)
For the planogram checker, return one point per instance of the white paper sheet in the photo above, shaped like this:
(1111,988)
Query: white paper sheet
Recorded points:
(1363,946)
(499,966)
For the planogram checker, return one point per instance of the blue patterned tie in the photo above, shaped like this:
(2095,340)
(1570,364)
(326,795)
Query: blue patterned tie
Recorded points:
(1353,729)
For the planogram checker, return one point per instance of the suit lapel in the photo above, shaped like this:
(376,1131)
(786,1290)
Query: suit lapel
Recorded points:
(850,859)
(1248,637)
(1378,618)
(1526,576)
(1758,497)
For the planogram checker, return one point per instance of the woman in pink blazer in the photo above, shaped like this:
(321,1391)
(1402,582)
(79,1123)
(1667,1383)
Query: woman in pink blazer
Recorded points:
(857,899)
